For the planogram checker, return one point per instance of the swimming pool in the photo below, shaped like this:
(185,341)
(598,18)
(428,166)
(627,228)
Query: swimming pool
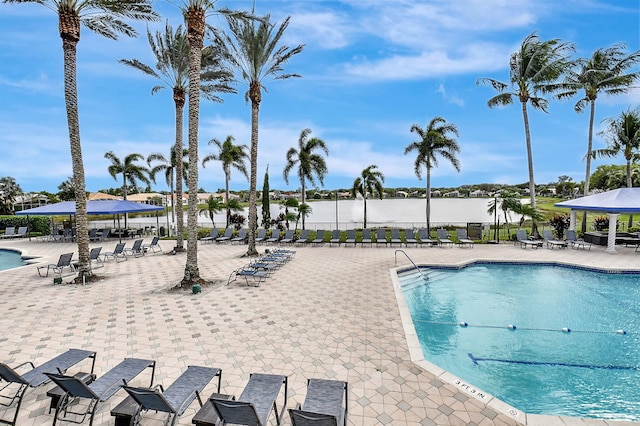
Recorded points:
(544,339)
(10,259)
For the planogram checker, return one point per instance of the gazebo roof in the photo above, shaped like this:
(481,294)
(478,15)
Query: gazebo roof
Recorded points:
(622,200)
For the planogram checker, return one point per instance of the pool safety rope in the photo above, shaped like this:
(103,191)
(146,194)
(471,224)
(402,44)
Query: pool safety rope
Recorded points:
(475,360)
(513,327)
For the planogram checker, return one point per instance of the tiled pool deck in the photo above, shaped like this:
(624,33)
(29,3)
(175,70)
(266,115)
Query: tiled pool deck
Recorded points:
(330,313)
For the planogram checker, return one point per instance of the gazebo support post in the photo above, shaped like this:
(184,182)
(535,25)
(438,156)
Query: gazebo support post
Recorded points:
(611,241)
(572,220)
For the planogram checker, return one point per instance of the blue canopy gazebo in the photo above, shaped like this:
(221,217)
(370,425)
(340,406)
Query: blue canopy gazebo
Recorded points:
(622,200)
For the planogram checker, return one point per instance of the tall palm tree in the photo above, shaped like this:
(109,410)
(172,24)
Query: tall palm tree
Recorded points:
(256,54)
(533,69)
(369,182)
(434,141)
(105,17)
(309,164)
(129,170)
(169,167)
(607,71)
(171,50)
(229,155)
(623,137)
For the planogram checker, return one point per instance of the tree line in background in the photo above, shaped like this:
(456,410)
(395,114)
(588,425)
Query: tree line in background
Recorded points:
(250,51)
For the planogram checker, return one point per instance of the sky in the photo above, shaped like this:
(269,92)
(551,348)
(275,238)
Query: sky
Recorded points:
(369,71)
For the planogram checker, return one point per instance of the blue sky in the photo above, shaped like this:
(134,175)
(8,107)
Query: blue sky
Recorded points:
(370,69)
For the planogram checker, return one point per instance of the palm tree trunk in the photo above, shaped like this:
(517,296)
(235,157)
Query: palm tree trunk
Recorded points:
(254,95)
(303,199)
(195,34)
(365,209)
(629,185)
(587,178)
(179,99)
(69,45)
(124,194)
(428,201)
(532,183)
(226,188)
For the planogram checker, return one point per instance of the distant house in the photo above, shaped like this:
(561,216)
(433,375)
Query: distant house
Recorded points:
(478,193)
(148,198)
(435,193)
(30,200)
(102,196)
(402,194)
(452,194)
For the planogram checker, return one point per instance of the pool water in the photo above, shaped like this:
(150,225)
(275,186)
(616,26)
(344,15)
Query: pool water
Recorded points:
(10,259)
(513,345)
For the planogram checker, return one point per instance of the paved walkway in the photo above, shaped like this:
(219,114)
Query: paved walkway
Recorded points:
(329,313)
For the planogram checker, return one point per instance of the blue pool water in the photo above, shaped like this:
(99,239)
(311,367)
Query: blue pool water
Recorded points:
(591,371)
(10,259)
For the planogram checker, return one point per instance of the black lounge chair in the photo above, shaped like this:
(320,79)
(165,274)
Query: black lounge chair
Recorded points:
(154,245)
(552,242)
(212,236)
(463,238)
(136,249)
(93,234)
(366,237)
(336,238)
(289,237)
(576,242)
(319,239)
(17,384)
(521,237)
(98,391)
(261,235)
(326,404)
(443,238)
(117,253)
(381,237)
(241,238)
(258,276)
(63,262)
(275,236)
(395,238)
(94,258)
(228,233)
(410,238)
(173,400)
(304,237)
(425,238)
(351,237)
(256,402)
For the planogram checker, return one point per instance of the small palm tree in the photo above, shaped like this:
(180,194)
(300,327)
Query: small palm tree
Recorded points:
(214,205)
(170,167)
(309,164)
(369,182)
(229,155)
(607,71)
(507,202)
(434,141)
(256,54)
(171,50)
(129,170)
(533,70)
(105,17)
(623,137)
(9,191)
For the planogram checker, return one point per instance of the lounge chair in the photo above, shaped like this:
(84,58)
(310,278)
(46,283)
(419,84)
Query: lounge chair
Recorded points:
(289,237)
(381,237)
(395,238)
(319,239)
(104,234)
(100,390)
(261,235)
(336,237)
(425,238)
(12,392)
(173,400)
(551,241)
(463,238)
(9,232)
(524,241)
(576,242)
(443,238)
(256,402)
(351,237)
(94,257)
(22,232)
(304,237)
(366,237)
(410,238)
(93,234)
(258,276)
(136,249)
(326,404)
(63,262)
(154,245)
(228,233)
(241,238)
(274,238)
(212,236)
(117,253)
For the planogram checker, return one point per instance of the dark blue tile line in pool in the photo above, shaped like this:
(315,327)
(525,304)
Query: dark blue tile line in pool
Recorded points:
(520,263)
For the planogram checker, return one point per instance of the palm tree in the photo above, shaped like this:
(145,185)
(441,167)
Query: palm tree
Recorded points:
(308,163)
(369,182)
(214,205)
(9,191)
(67,190)
(129,170)
(229,155)
(507,202)
(171,50)
(106,18)
(169,167)
(607,71)
(623,137)
(434,141)
(533,69)
(255,53)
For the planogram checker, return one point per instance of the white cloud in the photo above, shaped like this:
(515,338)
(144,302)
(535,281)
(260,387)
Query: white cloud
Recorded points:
(453,99)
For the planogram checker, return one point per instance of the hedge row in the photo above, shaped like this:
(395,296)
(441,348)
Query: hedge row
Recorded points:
(39,224)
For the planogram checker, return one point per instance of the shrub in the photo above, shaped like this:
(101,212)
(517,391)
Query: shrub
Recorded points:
(559,222)
(601,223)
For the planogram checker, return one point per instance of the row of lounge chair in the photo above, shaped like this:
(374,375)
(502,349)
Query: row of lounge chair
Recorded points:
(550,241)
(10,232)
(262,268)
(78,397)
